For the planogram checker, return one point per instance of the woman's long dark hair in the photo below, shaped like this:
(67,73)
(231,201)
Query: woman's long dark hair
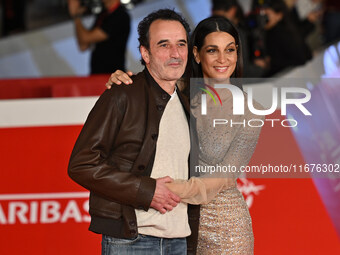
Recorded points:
(205,27)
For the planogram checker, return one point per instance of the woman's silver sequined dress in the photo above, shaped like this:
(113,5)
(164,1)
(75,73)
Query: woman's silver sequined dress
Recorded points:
(225,222)
(225,225)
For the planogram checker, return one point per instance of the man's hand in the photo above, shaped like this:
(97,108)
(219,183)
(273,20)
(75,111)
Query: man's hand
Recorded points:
(164,200)
(118,77)
(74,8)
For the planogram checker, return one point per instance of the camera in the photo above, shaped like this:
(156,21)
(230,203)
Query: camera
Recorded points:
(94,6)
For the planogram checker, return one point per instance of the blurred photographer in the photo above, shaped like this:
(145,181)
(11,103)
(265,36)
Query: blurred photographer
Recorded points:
(108,36)
(285,45)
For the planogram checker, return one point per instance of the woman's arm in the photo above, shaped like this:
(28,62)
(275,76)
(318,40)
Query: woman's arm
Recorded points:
(199,190)
(119,77)
(219,147)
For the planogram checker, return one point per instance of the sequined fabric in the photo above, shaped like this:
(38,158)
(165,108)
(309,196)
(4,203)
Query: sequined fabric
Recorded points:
(225,223)
(225,226)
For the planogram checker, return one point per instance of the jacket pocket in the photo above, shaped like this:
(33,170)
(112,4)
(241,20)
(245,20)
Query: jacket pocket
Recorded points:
(102,207)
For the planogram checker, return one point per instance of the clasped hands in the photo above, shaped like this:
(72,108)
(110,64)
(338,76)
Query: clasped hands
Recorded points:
(164,200)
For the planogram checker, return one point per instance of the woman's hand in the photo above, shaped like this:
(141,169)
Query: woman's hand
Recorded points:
(118,77)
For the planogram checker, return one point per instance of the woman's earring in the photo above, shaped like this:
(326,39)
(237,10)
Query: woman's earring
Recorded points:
(197,61)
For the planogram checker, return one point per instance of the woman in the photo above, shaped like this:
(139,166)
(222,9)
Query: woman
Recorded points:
(225,223)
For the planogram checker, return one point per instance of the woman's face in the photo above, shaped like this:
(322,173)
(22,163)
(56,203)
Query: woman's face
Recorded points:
(218,55)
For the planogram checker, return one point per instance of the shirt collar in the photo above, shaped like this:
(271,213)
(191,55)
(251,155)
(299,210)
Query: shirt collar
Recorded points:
(173,95)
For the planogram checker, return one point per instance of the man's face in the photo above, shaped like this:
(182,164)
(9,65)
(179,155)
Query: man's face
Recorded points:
(167,57)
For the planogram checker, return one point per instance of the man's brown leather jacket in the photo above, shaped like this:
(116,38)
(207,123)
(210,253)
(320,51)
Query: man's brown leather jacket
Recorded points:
(114,155)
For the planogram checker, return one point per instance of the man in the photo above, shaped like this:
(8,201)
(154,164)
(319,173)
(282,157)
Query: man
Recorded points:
(109,35)
(128,145)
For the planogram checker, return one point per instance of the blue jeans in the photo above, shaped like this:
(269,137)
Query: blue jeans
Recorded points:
(144,245)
